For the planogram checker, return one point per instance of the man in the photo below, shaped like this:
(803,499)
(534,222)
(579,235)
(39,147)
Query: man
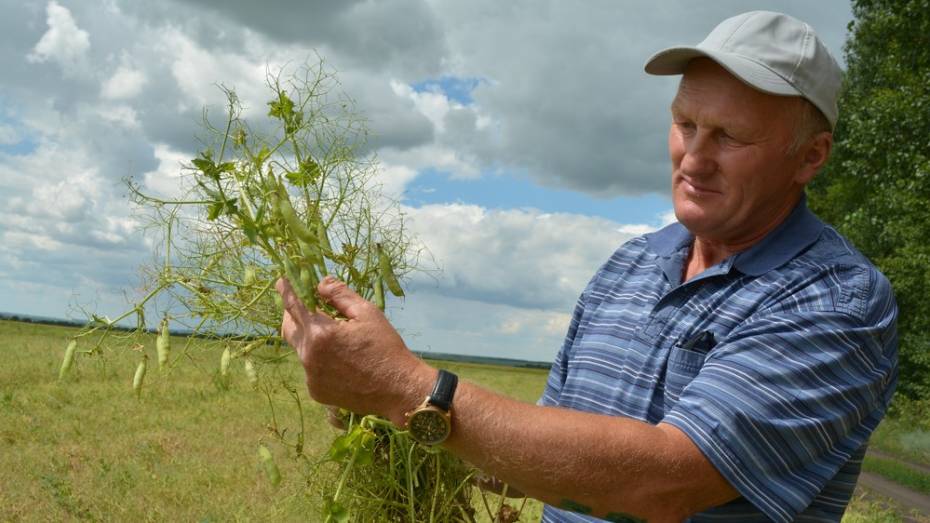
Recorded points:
(730,365)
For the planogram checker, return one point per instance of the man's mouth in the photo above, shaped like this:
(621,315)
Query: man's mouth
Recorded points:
(693,189)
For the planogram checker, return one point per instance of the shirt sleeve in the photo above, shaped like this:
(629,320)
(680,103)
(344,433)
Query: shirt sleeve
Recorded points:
(559,370)
(785,400)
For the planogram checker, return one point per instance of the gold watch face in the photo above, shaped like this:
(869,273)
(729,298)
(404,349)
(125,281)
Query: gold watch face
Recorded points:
(429,426)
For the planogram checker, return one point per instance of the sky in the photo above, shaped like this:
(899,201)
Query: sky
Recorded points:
(522,139)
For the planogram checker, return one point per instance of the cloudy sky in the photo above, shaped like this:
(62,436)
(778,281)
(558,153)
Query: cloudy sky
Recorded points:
(522,138)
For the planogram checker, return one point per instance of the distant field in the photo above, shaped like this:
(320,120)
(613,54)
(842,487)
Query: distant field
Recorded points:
(87,449)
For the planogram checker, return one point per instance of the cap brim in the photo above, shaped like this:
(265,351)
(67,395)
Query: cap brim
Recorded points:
(674,60)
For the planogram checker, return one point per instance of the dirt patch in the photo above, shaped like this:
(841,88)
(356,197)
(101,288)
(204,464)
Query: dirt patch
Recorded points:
(907,499)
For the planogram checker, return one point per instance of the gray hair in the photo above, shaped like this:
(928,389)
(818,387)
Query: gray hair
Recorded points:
(808,122)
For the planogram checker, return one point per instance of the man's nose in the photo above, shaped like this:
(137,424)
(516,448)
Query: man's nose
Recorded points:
(699,159)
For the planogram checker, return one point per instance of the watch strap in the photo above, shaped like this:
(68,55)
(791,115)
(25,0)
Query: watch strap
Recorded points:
(441,397)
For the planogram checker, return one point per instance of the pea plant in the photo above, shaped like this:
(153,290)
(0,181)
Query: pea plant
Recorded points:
(288,195)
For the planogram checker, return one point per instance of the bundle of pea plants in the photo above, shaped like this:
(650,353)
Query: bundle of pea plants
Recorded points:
(286,195)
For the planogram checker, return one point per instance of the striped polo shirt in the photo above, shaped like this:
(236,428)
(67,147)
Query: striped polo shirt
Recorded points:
(778,362)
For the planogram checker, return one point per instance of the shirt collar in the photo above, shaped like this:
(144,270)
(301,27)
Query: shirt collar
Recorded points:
(800,229)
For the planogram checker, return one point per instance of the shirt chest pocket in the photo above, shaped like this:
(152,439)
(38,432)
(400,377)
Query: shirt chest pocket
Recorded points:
(683,366)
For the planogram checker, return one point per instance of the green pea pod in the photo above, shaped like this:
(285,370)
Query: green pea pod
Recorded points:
(312,253)
(322,237)
(293,275)
(271,184)
(224,362)
(250,372)
(139,376)
(271,469)
(379,292)
(163,344)
(248,276)
(289,215)
(68,360)
(308,281)
(384,262)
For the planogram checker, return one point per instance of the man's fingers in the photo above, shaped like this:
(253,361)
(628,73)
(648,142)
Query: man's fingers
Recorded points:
(344,299)
(292,303)
(288,328)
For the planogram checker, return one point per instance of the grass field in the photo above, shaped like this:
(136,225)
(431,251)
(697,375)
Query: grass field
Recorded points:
(88,449)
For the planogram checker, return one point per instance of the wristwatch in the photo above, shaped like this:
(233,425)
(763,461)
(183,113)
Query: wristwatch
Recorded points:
(431,422)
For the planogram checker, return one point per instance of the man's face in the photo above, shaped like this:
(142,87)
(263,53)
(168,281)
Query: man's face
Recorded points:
(732,177)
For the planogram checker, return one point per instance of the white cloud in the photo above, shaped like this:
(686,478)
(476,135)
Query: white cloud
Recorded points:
(561,99)
(125,83)
(432,104)
(165,180)
(64,42)
(439,323)
(119,114)
(636,229)
(668,218)
(199,71)
(394,179)
(445,153)
(521,257)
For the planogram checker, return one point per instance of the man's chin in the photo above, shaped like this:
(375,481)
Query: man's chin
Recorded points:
(696,218)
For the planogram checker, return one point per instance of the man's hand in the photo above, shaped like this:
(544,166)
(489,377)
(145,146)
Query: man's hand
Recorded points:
(360,363)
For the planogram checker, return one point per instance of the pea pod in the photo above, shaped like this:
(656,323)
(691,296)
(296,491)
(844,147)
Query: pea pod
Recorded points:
(250,372)
(309,283)
(271,469)
(379,292)
(293,275)
(163,344)
(322,237)
(387,273)
(248,275)
(312,254)
(224,362)
(139,376)
(305,293)
(289,215)
(68,360)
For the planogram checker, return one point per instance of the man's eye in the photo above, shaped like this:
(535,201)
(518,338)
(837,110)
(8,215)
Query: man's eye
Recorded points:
(685,126)
(730,139)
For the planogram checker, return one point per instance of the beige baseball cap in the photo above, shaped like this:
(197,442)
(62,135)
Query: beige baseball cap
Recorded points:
(772,52)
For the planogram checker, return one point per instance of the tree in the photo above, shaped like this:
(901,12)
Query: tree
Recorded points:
(876,189)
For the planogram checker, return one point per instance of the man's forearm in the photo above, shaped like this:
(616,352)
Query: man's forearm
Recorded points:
(607,466)
(584,462)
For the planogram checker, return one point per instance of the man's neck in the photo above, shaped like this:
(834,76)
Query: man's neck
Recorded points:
(706,252)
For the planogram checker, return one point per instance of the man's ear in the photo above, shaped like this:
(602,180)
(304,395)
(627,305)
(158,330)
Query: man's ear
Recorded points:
(813,156)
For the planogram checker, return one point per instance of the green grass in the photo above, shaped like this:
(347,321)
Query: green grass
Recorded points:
(898,473)
(903,437)
(87,449)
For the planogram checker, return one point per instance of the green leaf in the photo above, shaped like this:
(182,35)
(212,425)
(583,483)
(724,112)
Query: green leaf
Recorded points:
(281,108)
(298,179)
(262,155)
(214,210)
(340,447)
(202,164)
(335,511)
(310,168)
(366,449)
(206,165)
(221,208)
(250,231)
